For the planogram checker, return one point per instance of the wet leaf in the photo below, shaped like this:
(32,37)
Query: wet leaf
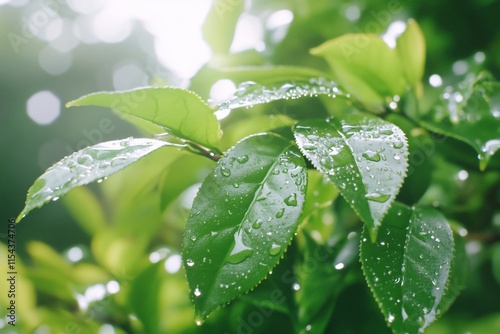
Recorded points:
(408,268)
(365,66)
(181,112)
(469,112)
(85,166)
(242,220)
(364,156)
(250,93)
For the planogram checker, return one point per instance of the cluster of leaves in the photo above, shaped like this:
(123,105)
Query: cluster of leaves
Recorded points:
(265,198)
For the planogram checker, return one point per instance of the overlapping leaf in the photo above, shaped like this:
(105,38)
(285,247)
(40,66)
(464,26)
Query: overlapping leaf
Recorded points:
(364,156)
(85,166)
(470,112)
(181,112)
(244,216)
(408,268)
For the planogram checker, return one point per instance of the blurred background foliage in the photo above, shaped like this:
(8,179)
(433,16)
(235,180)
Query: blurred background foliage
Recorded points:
(105,258)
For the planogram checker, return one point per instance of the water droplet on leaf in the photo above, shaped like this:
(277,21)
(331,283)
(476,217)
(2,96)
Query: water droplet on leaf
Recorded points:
(376,197)
(291,200)
(240,251)
(275,249)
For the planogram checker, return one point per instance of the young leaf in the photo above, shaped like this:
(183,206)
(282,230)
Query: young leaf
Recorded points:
(181,112)
(365,66)
(242,220)
(364,156)
(87,165)
(410,47)
(250,93)
(408,268)
(470,112)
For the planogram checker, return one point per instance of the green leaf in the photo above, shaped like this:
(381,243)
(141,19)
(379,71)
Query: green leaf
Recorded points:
(410,47)
(364,156)
(179,111)
(87,165)
(244,216)
(470,112)
(408,268)
(250,93)
(220,24)
(365,66)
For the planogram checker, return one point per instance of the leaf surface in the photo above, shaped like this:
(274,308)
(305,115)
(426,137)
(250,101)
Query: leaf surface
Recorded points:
(242,220)
(85,166)
(179,111)
(364,156)
(408,268)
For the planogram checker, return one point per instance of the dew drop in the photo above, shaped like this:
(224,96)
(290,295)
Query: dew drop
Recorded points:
(225,171)
(376,197)
(291,200)
(197,292)
(275,249)
(257,224)
(390,318)
(190,262)
(398,144)
(55,199)
(372,156)
(280,213)
(236,185)
(242,159)
(386,132)
(240,251)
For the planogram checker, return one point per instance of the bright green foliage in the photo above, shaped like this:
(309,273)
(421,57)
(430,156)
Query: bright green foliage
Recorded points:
(408,268)
(364,156)
(242,220)
(85,166)
(267,234)
(179,111)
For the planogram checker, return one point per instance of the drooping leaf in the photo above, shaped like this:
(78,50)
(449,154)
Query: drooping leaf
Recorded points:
(242,220)
(250,93)
(365,66)
(85,166)
(179,111)
(363,155)
(408,268)
(469,112)
(410,47)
